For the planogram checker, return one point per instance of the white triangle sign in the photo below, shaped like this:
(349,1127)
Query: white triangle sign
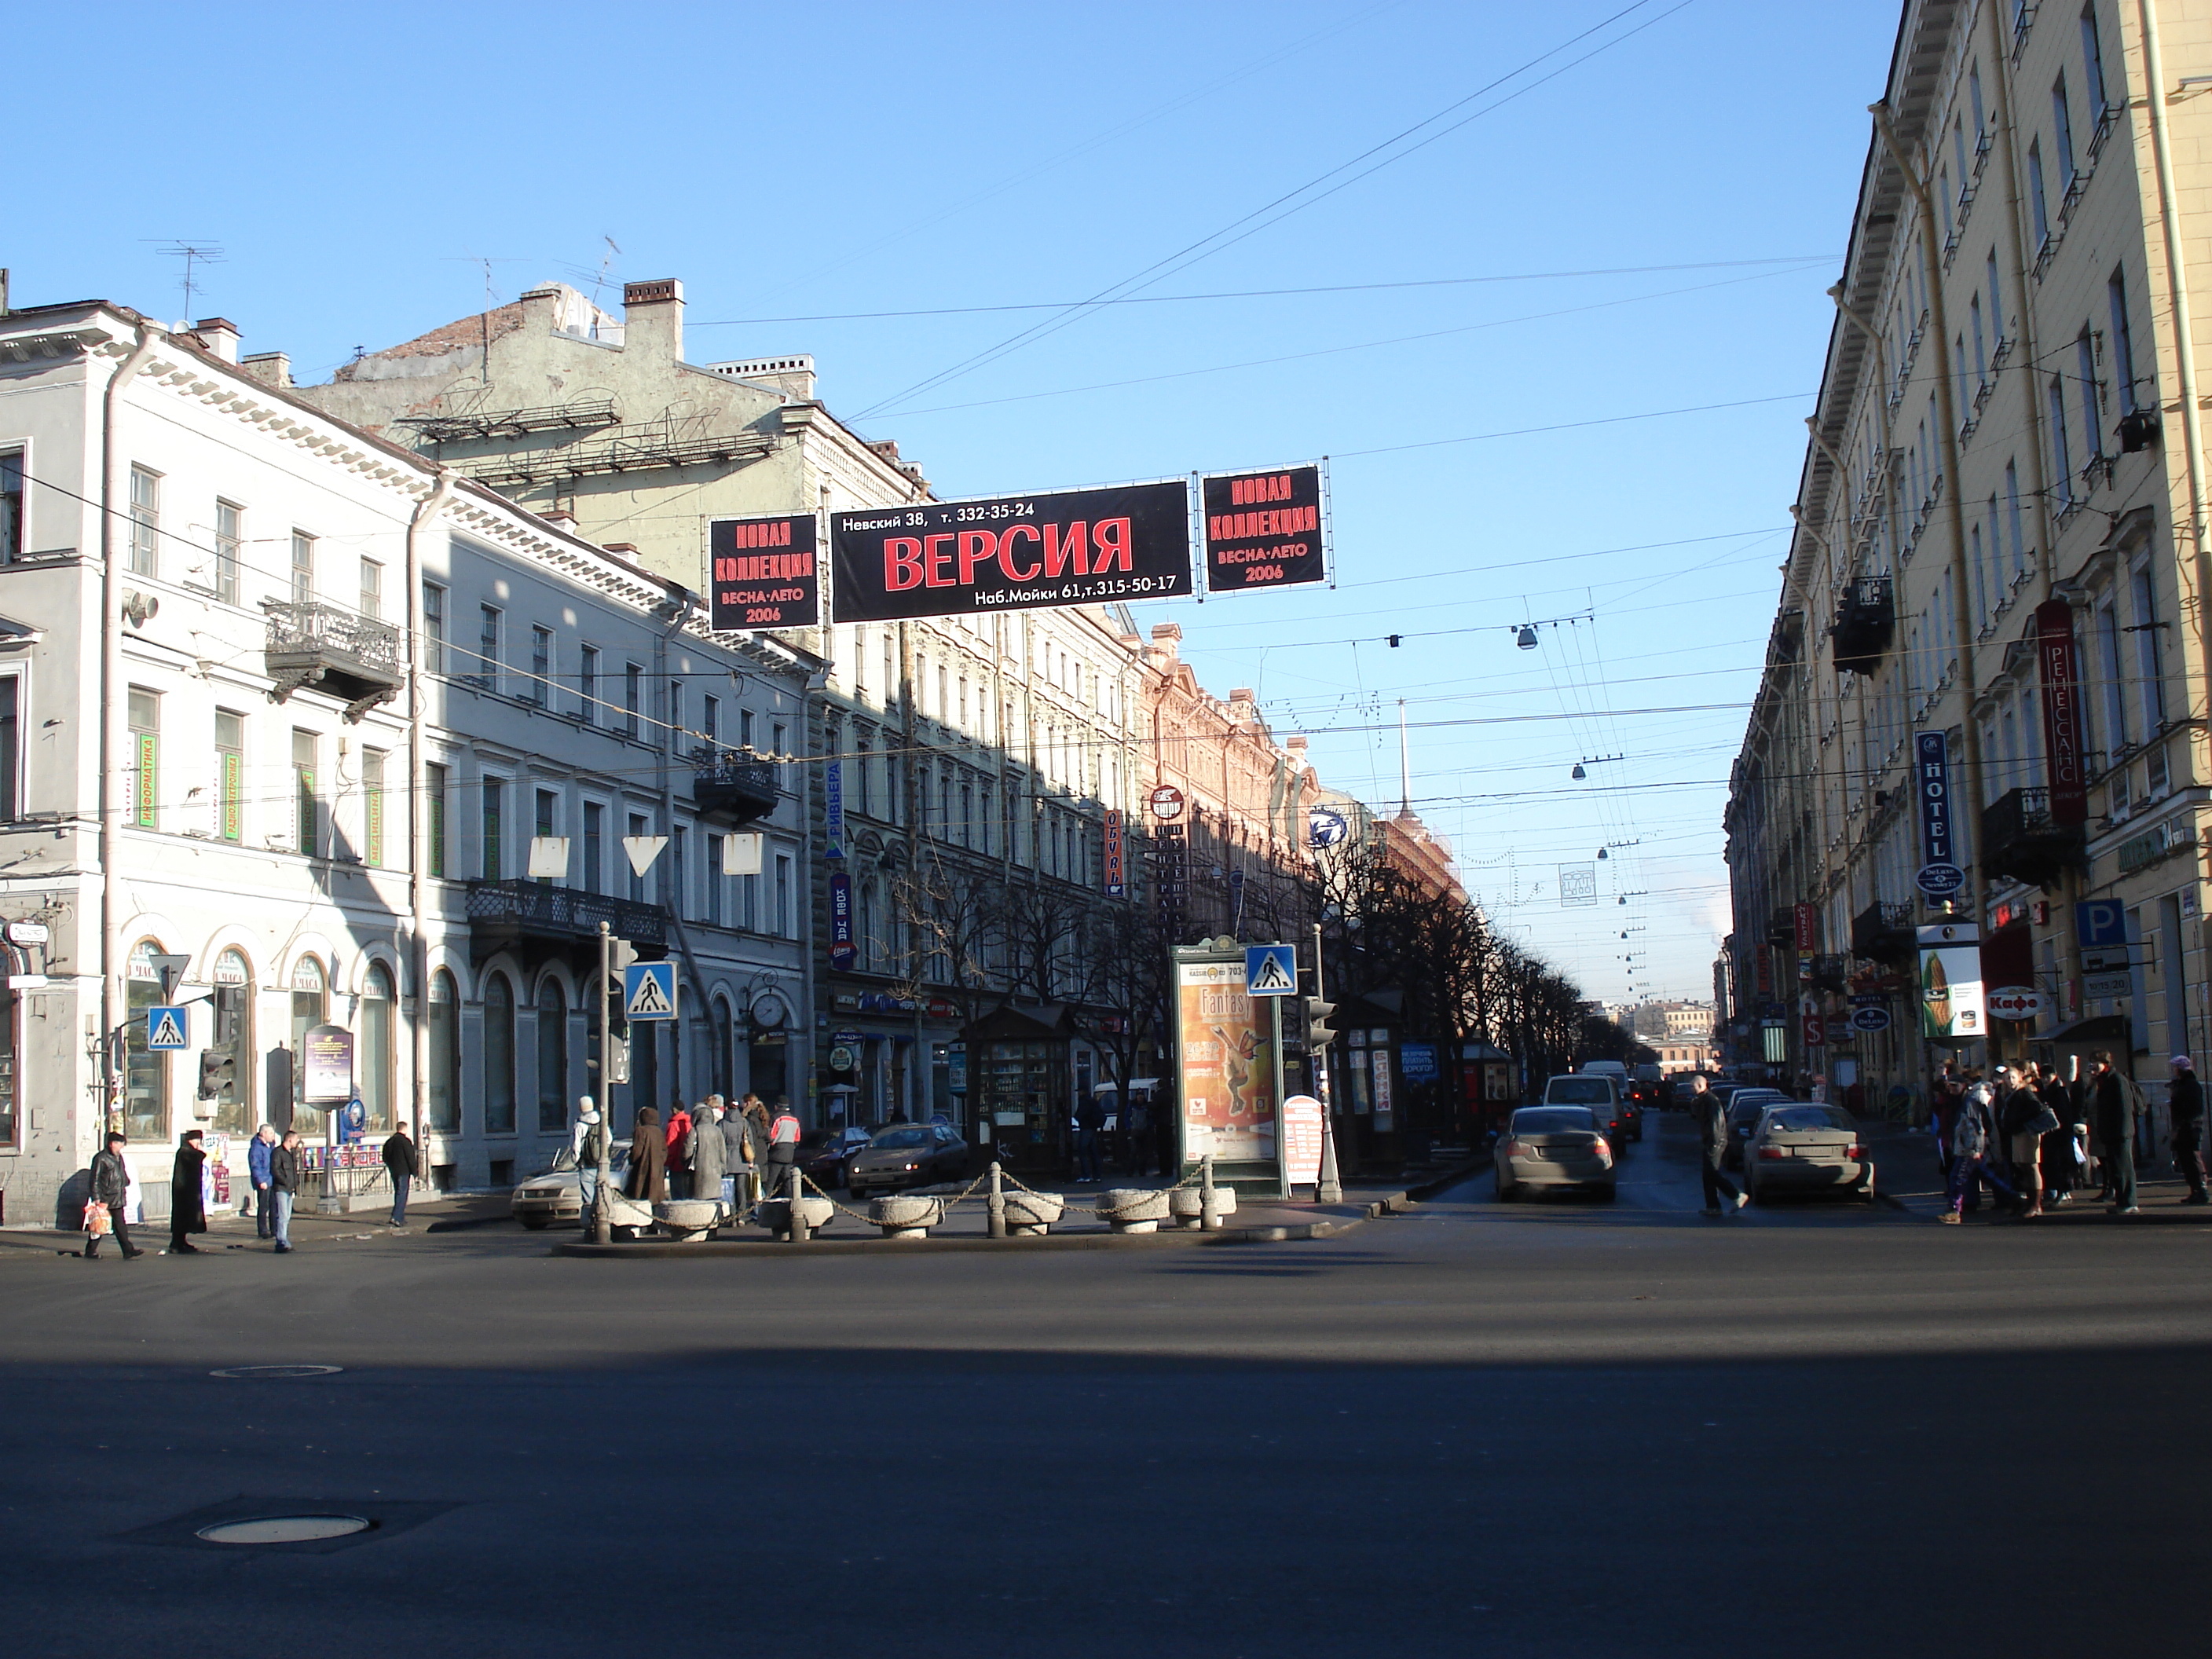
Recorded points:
(642,850)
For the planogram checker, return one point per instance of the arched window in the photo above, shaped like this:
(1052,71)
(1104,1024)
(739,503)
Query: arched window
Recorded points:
(444,1058)
(145,1072)
(234,1038)
(310,1008)
(552,1058)
(373,1066)
(498,1057)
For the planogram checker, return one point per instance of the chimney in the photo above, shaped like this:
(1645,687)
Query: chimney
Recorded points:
(271,367)
(1167,638)
(559,516)
(219,335)
(653,317)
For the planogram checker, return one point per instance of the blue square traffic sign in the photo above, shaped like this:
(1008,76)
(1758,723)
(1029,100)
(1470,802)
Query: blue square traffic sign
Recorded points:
(649,990)
(1271,971)
(2102,924)
(166,1028)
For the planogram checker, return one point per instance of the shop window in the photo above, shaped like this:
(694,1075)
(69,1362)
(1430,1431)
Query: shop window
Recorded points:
(444,1035)
(372,1062)
(232,1011)
(552,1058)
(498,1057)
(310,1008)
(145,1073)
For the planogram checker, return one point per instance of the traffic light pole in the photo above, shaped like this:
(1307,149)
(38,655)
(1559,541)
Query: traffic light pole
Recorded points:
(602,1229)
(1330,1188)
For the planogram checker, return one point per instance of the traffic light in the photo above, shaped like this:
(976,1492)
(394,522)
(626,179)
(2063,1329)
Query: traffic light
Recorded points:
(621,953)
(217,1071)
(1318,1035)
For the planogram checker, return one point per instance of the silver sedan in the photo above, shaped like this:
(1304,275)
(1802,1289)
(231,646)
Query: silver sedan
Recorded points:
(1554,1146)
(1799,1146)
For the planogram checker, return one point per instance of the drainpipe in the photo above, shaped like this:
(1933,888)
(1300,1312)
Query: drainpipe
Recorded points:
(114,734)
(1947,414)
(418,846)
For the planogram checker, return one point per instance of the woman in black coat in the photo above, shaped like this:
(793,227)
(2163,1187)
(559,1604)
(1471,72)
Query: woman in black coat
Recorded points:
(648,1159)
(187,1208)
(2061,1171)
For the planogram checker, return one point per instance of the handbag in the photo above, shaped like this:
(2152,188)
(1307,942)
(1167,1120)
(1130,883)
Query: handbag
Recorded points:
(97,1221)
(2042,1123)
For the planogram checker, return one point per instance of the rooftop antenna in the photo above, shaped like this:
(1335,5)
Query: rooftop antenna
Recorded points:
(195,254)
(605,261)
(1405,766)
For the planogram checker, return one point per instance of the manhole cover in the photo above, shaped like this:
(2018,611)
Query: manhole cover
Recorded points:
(276,1371)
(284,1528)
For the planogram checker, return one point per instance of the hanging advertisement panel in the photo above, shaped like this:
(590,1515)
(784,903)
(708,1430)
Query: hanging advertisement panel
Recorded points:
(1012,553)
(1224,1045)
(1265,529)
(763,573)
(1952,1007)
(326,1065)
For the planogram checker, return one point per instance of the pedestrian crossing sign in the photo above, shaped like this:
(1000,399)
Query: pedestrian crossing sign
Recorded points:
(649,990)
(165,1028)
(1271,971)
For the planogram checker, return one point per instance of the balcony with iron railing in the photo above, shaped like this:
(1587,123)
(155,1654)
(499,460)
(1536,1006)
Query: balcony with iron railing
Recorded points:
(333,649)
(1866,621)
(1883,933)
(2020,840)
(512,913)
(735,782)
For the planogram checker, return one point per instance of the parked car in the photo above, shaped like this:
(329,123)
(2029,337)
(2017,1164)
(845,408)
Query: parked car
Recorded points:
(556,1195)
(907,1155)
(825,1156)
(1554,1146)
(1602,1094)
(1744,1107)
(1802,1147)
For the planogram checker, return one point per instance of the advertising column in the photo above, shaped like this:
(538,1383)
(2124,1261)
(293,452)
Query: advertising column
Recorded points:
(1228,1070)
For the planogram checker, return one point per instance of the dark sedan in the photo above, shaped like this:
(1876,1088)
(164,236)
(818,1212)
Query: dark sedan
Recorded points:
(825,1156)
(908,1155)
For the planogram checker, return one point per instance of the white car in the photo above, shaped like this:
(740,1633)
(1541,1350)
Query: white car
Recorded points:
(556,1195)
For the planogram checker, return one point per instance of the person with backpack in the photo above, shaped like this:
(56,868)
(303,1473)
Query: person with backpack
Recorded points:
(111,1186)
(588,1143)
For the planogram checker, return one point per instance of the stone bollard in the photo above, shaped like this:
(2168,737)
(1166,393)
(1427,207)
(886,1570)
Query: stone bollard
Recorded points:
(906,1217)
(1193,1206)
(800,1230)
(688,1221)
(1133,1209)
(775,1214)
(1030,1215)
(997,1204)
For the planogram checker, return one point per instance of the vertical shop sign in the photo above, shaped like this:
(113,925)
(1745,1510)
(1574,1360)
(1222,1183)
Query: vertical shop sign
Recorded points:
(2062,713)
(1112,869)
(841,920)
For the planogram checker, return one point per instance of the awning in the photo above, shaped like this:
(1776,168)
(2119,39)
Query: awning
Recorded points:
(2093,1033)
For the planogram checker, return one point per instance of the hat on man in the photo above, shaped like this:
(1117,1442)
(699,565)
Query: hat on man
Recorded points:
(2181,1063)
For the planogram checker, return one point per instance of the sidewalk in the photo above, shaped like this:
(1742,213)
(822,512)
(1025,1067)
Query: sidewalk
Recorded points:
(1909,1178)
(228,1229)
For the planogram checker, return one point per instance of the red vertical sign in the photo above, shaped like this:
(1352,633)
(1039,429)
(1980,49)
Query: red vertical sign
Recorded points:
(2062,713)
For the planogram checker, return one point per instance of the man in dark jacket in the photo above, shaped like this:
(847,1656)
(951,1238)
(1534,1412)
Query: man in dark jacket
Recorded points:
(1090,1119)
(257,1168)
(284,1182)
(2185,1104)
(187,1198)
(400,1158)
(1711,1119)
(2118,1103)
(111,1185)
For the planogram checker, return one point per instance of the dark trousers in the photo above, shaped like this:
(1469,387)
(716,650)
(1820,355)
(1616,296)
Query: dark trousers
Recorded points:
(122,1235)
(1708,1168)
(2120,1172)
(1964,1183)
(1086,1154)
(776,1184)
(400,1183)
(265,1213)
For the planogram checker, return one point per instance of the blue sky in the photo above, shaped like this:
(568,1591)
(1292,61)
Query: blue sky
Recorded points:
(810,162)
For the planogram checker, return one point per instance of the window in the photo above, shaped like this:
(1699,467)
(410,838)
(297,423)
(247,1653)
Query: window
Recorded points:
(372,588)
(547,807)
(2085,364)
(633,697)
(595,849)
(864,777)
(494,808)
(710,720)
(749,903)
(498,1057)
(1996,306)
(779,738)
(434,628)
(890,671)
(444,1042)
(487,677)
(374,1061)
(714,880)
(552,1058)
(11,796)
(2011,520)
(2108,668)
(372,808)
(1981,355)
(2092,65)
(2151,670)
(12,530)
(434,780)
(303,567)
(783,926)
(1977,561)
(674,727)
(2123,346)
(144,716)
(637,881)
(2062,465)
(2035,194)
(233,1009)
(1974,95)
(145,1072)
(310,1008)
(984,823)
(229,537)
(2062,132)
(587,683)
(307,805)
(673,892)
(541,665)
(145,519)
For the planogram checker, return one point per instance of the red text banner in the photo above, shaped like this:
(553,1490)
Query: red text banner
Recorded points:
(762,572)
(2062,713)
(1264,529)
(1011,553)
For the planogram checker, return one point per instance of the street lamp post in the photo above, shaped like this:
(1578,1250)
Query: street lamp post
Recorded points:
(1329,1189)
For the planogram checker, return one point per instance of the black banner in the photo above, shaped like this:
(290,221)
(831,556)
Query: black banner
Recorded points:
(1263,529)
(1011,553)
(762,572)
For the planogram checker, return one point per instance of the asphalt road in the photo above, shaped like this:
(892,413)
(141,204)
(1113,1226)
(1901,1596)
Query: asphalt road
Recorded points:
(1546,1428)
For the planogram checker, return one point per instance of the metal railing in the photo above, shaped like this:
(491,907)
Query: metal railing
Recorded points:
(310,628)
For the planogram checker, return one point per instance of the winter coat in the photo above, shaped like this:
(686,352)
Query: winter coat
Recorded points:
(187,1202)
(708,1156)
(399,1156)
(2119,1103)
(737,1142)
(679,1125)
(1711,1119)
(1971,1139)
(648,1159)
(1091,1115)
(257,1161)
(284,1169)
(111,1182)
(2184,1100)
